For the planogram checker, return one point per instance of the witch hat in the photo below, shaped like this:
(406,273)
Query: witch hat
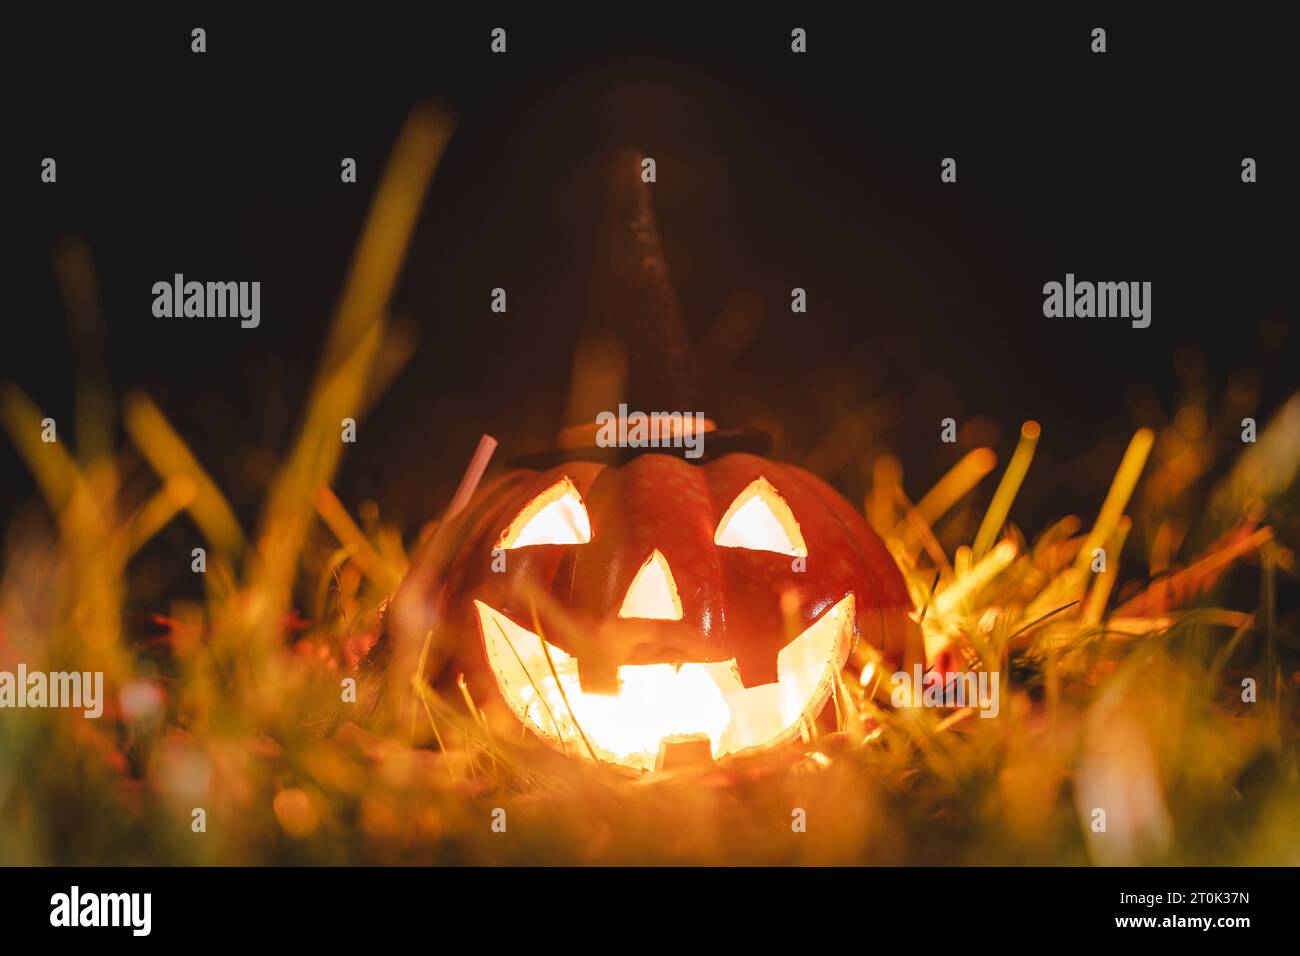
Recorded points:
(633,304)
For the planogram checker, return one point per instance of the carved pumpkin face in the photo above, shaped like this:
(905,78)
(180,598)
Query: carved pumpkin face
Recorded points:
(632,612)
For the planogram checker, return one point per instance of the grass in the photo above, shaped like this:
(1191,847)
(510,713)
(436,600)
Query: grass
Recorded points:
(1118,693)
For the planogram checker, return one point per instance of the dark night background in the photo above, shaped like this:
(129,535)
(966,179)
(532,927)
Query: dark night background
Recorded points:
(774,171)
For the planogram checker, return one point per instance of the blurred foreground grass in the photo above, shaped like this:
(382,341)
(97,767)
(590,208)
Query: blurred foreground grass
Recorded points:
(1127,699)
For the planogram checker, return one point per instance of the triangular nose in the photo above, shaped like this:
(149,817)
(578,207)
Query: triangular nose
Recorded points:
(653,593)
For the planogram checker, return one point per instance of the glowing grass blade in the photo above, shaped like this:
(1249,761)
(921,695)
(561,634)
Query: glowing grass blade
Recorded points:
(886,482)
(155,514)
(1174,588)
(981,573)
(355,338)
(1121,489)
(55,472)
(960,479)
(1099,593)
(913,528)
(74,270)
(387,231)
(170,457)
(350,536)
(1008,488)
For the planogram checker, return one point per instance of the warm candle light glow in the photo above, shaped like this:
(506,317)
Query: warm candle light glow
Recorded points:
(760,519)
(653,594)
(556,516)
(655,701)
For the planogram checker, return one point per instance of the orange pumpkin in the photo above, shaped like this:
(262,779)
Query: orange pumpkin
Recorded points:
(632,610)
(646,611)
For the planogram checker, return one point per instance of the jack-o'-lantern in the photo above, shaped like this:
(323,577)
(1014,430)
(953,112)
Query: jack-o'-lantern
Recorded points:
(627,612)
(642,608)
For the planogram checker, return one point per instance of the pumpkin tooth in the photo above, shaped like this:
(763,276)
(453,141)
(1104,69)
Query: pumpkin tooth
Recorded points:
(684,750)
(757,668)
(598,677)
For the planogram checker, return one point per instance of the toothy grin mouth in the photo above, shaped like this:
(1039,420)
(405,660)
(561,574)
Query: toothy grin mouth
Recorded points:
(659,705)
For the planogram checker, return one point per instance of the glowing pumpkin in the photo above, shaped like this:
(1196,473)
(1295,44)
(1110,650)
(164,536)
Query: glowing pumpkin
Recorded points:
(657,610)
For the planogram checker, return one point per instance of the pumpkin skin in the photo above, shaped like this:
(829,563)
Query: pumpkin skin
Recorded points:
(735,603)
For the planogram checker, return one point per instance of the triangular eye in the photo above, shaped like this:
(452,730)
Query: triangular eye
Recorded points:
(760,520)
(653,592)
(556,516)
